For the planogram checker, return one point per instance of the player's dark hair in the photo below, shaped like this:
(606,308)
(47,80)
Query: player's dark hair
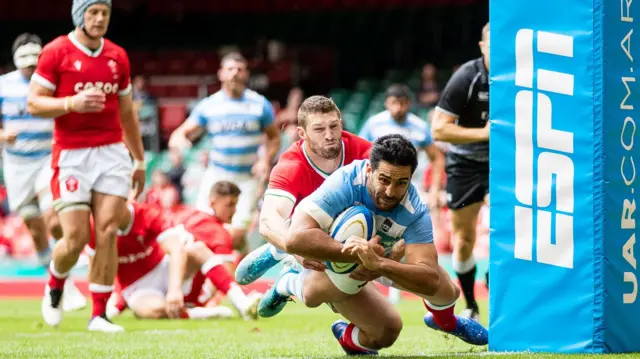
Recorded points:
(233,56)
(400,91)
(485,32)
(316,105)
(24,39)
(394,149)
(224,188)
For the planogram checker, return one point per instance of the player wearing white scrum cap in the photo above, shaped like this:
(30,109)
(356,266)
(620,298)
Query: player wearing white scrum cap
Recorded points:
(27,155)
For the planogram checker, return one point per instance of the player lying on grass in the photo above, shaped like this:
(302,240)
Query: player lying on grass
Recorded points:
(155,285)
(383,185)
(301,169)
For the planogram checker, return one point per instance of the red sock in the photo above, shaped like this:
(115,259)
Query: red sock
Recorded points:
(100,296)
(346,340)
(56,281)
(121,305)
(217,274)
(444,318)
(220,278)
(184,315)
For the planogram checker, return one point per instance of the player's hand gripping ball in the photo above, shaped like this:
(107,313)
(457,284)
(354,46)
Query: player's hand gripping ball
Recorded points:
(355,221)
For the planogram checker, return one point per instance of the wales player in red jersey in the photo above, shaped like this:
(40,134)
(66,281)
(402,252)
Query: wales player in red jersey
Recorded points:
(83,81)
(302,168)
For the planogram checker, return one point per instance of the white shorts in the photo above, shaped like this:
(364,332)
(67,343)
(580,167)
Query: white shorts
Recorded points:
(154,282)
(79,172)
(25,180)
(352,286)
(248,196)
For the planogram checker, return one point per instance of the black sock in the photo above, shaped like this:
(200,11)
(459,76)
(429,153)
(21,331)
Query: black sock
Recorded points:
(467,282)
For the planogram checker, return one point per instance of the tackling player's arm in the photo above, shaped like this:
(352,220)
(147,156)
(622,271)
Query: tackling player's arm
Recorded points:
(451,104)
(279,200)
(273,219)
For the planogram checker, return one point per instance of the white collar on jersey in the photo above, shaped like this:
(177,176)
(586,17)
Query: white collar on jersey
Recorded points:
(322,173)
(133,218)
(86,50)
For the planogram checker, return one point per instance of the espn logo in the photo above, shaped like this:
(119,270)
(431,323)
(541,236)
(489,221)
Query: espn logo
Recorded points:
(558,164)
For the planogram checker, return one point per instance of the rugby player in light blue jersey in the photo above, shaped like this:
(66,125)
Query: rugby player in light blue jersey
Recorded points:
(383,185)
(26,158)
(235,119)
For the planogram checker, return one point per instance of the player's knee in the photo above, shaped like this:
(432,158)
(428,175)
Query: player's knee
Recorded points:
(151,313)
(198,252)
(388,335)
(106,234)
(311,296)
(54,227)
(76,239)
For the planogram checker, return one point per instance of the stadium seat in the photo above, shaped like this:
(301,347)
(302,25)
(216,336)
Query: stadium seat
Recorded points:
(340,96)
(171,116)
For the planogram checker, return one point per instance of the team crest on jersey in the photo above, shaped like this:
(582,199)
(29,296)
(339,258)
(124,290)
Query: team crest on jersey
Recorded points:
(71,183)
(140,239)
(77,65)
(114,68)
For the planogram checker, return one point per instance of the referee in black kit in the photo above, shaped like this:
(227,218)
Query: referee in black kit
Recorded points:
(462,119)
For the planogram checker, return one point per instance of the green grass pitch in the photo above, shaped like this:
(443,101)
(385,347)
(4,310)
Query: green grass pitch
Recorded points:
(297,332)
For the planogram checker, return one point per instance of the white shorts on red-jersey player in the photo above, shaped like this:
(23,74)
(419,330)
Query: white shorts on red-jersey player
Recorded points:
(155,282)
(78,172)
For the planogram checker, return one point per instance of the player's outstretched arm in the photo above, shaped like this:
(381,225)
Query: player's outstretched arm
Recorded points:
(420,274)
(273,219)
(179,138)
(445,129)
(174,247)
(306,239)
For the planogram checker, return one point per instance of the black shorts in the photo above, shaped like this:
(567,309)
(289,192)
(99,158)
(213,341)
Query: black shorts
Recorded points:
(467,181)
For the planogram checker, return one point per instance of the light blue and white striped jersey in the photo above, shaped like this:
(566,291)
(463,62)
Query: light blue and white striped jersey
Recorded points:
(413,128)
(347,187)
(34,133)
(235,128)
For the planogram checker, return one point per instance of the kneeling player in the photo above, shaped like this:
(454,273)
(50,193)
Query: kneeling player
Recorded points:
(383,185)
(158,286)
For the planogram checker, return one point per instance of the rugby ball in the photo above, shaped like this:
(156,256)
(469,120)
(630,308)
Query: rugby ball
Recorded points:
(354,221)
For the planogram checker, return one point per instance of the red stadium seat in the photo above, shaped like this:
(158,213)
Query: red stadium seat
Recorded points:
(171,116)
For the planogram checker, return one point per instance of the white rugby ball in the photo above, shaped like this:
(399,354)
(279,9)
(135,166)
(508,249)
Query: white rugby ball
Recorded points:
(354,221)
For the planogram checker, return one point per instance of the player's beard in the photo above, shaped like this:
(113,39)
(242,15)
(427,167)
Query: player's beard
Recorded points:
(326,152)
(381,200)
